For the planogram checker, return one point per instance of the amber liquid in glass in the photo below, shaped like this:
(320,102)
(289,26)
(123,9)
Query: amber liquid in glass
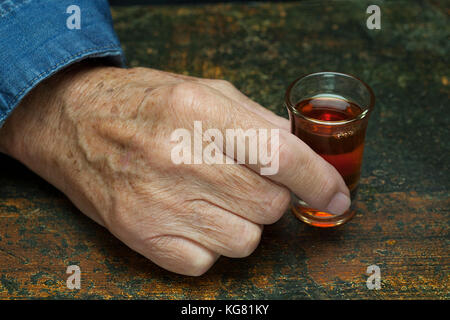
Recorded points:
(343,148)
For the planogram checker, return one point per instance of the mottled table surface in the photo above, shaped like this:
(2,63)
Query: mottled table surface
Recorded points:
(402,224)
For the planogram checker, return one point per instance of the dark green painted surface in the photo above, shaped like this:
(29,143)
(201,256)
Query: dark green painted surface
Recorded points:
(403,220)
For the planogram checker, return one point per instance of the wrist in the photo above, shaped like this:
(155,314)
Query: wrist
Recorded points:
(39,112)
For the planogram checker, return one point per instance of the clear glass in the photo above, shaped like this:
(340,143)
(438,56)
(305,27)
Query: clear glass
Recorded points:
(338,139)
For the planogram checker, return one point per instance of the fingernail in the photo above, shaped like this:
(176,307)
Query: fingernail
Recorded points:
(339,204)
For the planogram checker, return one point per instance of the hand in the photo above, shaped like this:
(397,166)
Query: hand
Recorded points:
(102,135)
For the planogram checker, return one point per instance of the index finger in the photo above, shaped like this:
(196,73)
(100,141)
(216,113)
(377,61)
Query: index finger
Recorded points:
(291,162)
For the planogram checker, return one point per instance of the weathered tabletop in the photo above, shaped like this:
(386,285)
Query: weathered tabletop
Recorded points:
(403,220)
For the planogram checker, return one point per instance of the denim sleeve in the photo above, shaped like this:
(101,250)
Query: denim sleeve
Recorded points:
(40,37)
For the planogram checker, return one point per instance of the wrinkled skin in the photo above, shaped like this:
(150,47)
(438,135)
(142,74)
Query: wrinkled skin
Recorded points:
(102,135)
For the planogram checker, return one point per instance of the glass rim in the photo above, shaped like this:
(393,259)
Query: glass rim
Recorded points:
(362,115)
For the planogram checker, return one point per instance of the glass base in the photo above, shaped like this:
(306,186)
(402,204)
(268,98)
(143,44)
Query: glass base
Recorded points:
(319,218)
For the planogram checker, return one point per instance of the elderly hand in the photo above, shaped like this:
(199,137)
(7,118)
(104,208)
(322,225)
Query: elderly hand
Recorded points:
(102,135)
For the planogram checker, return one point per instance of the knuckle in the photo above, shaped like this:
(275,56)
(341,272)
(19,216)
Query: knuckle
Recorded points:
(139,69)
(276,205)
(200,266)
(301,164)
(185,91)
(326,186)
(189,97)
(247,240)
(223,83)
(307,167)
(285,155)
(180,260)
(236,237)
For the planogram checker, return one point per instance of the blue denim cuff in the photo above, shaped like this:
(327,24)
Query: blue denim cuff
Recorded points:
(38,38)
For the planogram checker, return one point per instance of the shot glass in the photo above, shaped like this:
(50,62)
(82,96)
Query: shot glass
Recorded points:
(329,111)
